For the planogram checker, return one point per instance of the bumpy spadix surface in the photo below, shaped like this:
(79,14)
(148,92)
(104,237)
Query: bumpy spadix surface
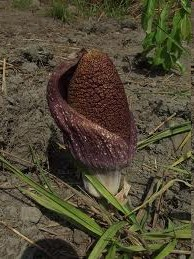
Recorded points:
(87,100)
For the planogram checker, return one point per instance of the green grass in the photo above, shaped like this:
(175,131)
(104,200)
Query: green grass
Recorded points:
(22,4)
(125,232)
(109,8)
(59,10)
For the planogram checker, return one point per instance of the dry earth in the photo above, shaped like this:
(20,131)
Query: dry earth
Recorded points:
(32,46)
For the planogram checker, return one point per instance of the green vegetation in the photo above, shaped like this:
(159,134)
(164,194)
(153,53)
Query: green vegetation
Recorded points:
(59,10)
(66,11)
(123,232)
(167,26)
(22,4)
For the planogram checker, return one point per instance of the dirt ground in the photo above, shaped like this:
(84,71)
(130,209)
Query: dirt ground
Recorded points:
(33,45)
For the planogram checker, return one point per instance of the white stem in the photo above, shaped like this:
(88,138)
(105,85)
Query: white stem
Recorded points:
(110,179)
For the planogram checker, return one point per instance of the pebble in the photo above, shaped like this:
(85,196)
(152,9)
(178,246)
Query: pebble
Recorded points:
(80,237)
(29,67)
(31,214)
(128,24)
(72,55)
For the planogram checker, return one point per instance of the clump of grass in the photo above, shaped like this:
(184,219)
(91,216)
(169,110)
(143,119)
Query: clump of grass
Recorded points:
(22,4)
(59,10)
(109,8)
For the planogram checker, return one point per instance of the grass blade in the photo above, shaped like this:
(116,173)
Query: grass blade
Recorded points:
(105,239)
(182,158)
(69,211)
(174,130)
(111,252)
(140,248)
(111,199)
(167,250)
(179,170)
(181,232)
(185,140)
(160,192)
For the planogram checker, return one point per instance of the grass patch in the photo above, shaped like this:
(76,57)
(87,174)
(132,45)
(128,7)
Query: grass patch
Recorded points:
(22,4)
(59,10)
(123,233)
(65,12)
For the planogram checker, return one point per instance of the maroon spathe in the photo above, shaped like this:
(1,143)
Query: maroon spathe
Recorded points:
(87,101)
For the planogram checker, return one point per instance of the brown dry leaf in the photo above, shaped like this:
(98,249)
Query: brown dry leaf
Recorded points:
(122,196)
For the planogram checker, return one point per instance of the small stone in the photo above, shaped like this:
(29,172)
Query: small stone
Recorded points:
(31,214)
(29,67)
(169,195)
(72,55)
(11,211)
(52,63)
(129,24)
(63,40)
(3,178)
(4,197)
(72,40)
(80,237)
(89,28)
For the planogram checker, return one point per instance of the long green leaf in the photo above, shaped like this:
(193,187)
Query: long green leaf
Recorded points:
(111,252)
(182,158)
(186,4)
(166,250)
(139,248)
(186,27)
(148,15)
(69,210)
(160,192)
(105,193)
(110,198)
(105,239)
(174,130)
(180,232)
(160,35)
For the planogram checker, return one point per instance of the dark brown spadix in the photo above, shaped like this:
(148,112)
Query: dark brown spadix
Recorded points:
(87,101)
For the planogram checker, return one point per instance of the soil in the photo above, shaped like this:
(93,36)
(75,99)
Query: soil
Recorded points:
(33,45)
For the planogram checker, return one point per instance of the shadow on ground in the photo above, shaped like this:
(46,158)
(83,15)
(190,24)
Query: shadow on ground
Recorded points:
(54,248)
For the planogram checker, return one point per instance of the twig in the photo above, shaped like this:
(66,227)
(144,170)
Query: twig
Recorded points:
(161,124)
(181,252)
(4,89)
(101,15)
(8,65)
(48,231)
(26,238)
